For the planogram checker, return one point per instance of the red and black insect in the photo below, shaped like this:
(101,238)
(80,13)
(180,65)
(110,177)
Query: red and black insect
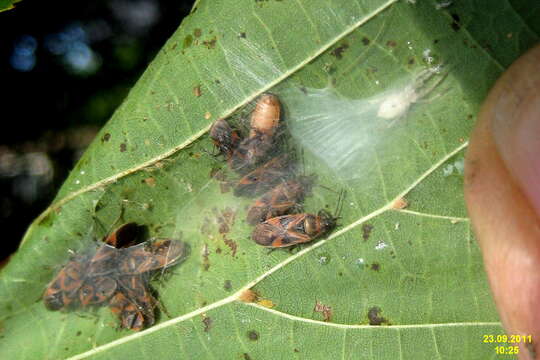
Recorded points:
(63,290)
(133,303)
(154,255)
(97,290)
(280,200)
(258,146)
(265,177)
(225,138)
(117,274)
(250,152)
(83,279)
(289,230)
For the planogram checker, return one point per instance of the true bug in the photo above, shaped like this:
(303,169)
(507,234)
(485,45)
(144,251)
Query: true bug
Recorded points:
(81,279)
(64,288)
(225,138)
(263,127)
(264,177)
(133,303)
(250,152)
(289,230)
(117,274)
(128,312)
(97,290)
(157,254)
(265,116)
(279,200)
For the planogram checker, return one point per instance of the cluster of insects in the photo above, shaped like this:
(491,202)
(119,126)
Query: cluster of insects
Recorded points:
(266,171)
(116,274)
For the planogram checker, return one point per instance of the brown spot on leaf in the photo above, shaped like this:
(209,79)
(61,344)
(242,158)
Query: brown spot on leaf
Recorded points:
(366,231)
(399,204)
(207,115)
(150,181)
(411,61)
(105,137)
(248,296)
(391,43)
(197,32)
(205,253)
(207,321)
(338,52)
(232,245)
(123,147)
(210,44)
(365,41)
(374,316)
(188,40)
(197,90)
(375,266)
(325,310)
(253,335)
(242,35)
(246,356)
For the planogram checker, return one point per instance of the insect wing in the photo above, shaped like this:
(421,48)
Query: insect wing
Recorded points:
(97,290)
(224,137)
(264,177)
(62,290)
(250,152)
(130,316)
(278,201)
(157,254)
(276,232)
(104,261)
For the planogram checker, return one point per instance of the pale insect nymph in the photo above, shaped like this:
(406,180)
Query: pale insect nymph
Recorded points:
(396,104)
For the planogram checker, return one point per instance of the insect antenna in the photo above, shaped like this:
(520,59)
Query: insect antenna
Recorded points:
(339,205)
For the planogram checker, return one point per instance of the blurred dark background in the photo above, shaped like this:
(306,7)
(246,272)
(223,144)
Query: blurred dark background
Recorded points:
(64,68)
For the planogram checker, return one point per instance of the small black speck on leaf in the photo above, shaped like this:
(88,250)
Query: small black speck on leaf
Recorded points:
(253,335)
(338,52)
(455,22)
(366,231)
(105,137)
(374,316)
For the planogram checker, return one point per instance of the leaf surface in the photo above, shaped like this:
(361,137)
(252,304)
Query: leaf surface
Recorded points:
(399,279)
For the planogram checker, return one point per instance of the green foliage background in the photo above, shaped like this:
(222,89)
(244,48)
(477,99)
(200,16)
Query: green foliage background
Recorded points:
(417,270)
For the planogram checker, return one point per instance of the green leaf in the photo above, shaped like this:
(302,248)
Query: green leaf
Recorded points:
(399,281)
(7,4)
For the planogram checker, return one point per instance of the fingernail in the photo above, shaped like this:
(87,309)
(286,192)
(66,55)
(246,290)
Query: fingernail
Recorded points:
(515,113)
